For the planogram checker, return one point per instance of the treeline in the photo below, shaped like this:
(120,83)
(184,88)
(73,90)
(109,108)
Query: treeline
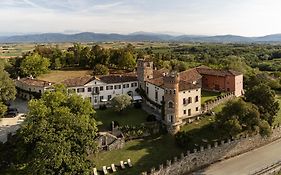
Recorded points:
(97,58)
(254,55)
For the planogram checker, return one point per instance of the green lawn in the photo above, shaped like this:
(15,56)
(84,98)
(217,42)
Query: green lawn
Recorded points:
(130,116)
(144,154)
(57,76)
(208,95)
(202,131)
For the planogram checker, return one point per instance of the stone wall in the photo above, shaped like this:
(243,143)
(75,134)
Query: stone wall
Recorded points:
(193,160)
(212,104)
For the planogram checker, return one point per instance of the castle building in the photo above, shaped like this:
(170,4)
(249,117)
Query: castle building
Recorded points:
(176,96)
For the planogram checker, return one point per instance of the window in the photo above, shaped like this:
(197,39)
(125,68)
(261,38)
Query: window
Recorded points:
(184,112)
(170,104)
(101,88)
(156,96)
(96,100)
(40,91)
(117,87)
(89,89)
(109,97)
(189,100)
(196,99)
(109,87)
(79,90)
(133,84)
(126,85)
(147,90)
(101,98)
(170,118)
(197,108)
(184,101)
(189,112)
(174,91)
(163,98)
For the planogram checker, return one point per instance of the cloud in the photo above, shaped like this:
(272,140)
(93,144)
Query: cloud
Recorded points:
(251,17)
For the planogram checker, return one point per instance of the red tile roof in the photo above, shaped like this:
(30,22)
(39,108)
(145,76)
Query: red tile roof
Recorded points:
(190,75)
(203,70)
(109,79)
(78,81)
(35,82)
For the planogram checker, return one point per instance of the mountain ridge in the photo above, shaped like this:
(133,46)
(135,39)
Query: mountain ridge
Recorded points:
(136,36)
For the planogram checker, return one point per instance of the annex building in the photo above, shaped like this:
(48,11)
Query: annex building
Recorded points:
(176,96)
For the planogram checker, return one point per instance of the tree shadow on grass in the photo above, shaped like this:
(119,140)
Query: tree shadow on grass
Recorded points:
(157,150)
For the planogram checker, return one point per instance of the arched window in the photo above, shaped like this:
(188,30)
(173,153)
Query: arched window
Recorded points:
(171,104)
(189,100)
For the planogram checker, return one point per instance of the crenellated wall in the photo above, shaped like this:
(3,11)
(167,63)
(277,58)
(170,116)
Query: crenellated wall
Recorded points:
(221,99)
(193,160)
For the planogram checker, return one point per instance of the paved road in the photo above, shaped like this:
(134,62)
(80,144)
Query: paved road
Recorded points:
(247,163)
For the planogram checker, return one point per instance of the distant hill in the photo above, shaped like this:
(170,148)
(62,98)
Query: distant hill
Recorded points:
(137,36)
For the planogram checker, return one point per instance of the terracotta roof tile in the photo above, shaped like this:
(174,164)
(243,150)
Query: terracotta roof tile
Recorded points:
(78,81)
(109,79)
(157,81)
(35,82)
(190,75)
(159,73)
(216,72)
(183,85)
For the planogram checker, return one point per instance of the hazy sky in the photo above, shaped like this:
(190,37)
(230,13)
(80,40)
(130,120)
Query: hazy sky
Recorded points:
(211,17)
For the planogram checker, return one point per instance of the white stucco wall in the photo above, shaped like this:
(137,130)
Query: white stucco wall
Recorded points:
(192,106)
(96,98)
(151,92)
(238,85)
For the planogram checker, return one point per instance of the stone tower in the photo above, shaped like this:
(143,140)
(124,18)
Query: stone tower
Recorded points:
(171,98)
(144,71)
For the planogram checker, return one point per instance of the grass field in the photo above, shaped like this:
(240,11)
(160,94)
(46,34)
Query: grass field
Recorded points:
(58,76)
(14,50)
(208,95)
(144,154)
(130,116)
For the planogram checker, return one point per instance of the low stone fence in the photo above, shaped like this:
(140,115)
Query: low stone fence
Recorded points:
(196,159)
(220,99)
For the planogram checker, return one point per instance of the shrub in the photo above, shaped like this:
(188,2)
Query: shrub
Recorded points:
(137,105)
(183,139)
(133,132)
(151,118)
(103,107)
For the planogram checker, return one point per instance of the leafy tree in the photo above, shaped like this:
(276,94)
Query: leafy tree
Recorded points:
(3,109)
(59,134)
(7,87)
(264,98)
(121,102)
(265,129)
(101,70)
(34,65)
(127,61)
(238,116)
